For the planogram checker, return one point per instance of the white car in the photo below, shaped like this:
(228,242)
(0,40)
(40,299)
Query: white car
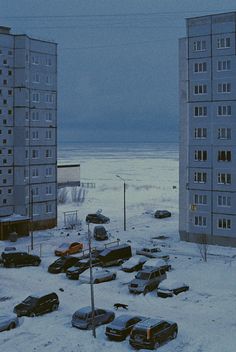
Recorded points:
(99,275)
(8,322)
(134,263)
(171,288)
(157,263)
(152,252)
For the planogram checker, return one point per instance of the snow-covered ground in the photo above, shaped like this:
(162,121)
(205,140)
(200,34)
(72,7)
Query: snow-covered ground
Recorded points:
(205,314)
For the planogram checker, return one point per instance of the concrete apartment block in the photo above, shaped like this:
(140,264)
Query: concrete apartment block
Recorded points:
(207,84)
(28,138)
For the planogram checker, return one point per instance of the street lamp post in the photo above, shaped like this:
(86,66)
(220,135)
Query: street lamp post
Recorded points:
(124,200)
(91,281)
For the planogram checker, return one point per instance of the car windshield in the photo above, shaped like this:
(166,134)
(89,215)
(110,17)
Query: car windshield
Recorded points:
(59,261)
(120,321)
(82,316)
(64,245)
(139,332)
(30,300)
(142,276)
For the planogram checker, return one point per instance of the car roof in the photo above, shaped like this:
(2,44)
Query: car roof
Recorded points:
(40,294)
(87,309)
(171,284)
(150,322)
(124,318)
(148,269)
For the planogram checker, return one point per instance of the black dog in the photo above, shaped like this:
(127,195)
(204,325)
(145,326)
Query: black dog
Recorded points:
(120,305)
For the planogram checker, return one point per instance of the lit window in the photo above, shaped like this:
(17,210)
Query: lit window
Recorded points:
(224,155)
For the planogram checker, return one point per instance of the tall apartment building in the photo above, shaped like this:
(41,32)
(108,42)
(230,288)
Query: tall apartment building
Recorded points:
(208,130)
(28,115)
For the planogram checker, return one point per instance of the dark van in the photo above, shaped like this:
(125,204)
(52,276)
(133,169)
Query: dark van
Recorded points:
(115,255)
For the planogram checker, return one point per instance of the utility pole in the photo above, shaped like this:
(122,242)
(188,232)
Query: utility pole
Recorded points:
(31,195)
(91,281)
(124,200)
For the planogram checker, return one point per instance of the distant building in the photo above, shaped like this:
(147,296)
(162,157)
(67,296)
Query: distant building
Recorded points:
(28,143)
(208,130)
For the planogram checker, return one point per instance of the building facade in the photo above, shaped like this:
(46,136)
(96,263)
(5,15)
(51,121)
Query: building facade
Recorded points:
(28,141)
(207,66)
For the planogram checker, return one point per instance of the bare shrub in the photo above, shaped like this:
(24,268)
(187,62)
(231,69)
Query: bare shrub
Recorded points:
(77,195)
(202,245)
(62,195)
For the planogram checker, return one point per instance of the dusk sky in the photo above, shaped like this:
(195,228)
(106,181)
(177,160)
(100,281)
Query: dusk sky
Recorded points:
(117,62)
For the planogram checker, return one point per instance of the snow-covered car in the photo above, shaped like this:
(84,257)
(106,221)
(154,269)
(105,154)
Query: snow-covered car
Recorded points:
(69,248)
(121,327)
(152,252)
(161,214)
(99,275)
(8,322)
(82,318)
(171,288)
(157,263)
(100,233)
(134,263)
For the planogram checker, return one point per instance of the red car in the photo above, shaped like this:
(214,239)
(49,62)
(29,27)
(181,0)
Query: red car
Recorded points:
(69,248)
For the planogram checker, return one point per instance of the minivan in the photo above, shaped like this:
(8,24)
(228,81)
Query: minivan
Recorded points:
(115,255)
(37,304)
(147,280)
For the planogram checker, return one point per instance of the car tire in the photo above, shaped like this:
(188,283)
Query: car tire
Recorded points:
(32,315)
(11,326)
(174,335)
(36,263)
(54,307)
(156,345)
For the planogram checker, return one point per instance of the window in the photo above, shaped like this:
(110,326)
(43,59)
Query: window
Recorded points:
(200,111)
(224,224)
(9,191)
(200,67)
(200,177)
(5,82)
(223,65)
(200,89)
(199,45)
(224,110)
(9,91)
(35,191)
(35,115)
(9,72)
(27,134)
(35,60)
(224,178)
(48,61)
(10,52)
(48,134)
(200,155)
(49,98)
(35,153)
(48,116)
(36,77)
(224,133)
(49,190)
(200,133)
(9,131)
(9,171)
(224,201)
(200,199)
(35,135)
(48,171)
(200,221)
(48,80)
(27,115)
(48,208)
(36,97)
(5,62)
(223,43)
(26,154)
(35,172)
(224,88)
(224,155)
(48,153)
(4,201)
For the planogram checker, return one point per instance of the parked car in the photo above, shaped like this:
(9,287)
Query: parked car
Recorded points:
(161,214)
(74,271)
(115,255)
(18,259)
(69,248)
(147,280)
(99,275)
(121,327)
(100,233)
(152,252)
(8,322)
(157,263)
(171,288)
(37,304)
(134,263)
(151,333)
(97,218)
(82,318)
(62,264)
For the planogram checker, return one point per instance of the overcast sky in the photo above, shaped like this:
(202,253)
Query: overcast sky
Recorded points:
(117,62)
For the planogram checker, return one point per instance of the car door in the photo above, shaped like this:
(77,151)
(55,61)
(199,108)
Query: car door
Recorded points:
(100,317)
(23,259)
